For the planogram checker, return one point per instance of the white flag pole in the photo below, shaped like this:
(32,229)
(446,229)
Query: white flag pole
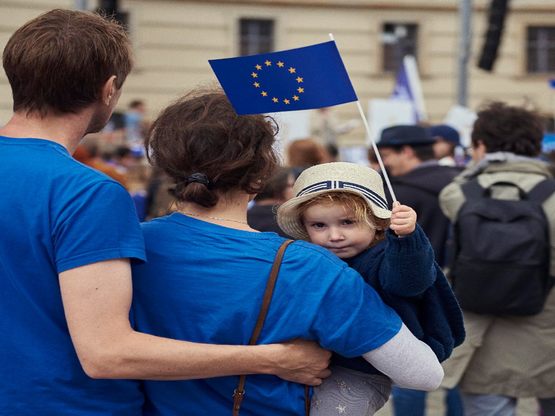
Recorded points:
(376,151)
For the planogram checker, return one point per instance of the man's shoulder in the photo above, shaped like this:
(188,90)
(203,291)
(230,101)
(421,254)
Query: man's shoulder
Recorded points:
(444,172)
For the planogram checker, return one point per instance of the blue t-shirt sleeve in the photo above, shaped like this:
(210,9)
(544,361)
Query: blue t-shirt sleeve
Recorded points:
(352,319)
(97,224)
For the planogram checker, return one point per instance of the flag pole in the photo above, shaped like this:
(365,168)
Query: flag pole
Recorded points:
(376,151)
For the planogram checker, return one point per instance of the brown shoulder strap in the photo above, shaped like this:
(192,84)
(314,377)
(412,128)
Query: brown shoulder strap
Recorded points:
(239,392)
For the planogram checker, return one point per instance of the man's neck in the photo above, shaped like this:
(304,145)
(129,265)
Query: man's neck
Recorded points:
(408,166)
(66,129)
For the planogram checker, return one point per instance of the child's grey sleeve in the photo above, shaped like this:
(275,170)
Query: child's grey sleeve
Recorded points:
(408,362)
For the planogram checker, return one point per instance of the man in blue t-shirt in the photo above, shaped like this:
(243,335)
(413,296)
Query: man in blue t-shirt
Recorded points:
(68,234)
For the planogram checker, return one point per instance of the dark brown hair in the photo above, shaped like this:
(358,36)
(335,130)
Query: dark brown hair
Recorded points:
(276,185)
(360,208)
(504,128)
(59,61)
(201,134)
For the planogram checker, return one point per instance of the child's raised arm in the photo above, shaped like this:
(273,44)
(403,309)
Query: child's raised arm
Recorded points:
(407,268)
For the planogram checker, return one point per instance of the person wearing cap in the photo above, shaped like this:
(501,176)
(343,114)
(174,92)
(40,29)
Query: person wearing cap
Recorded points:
(342,207)
(417,179)
(207,270)
(447,141)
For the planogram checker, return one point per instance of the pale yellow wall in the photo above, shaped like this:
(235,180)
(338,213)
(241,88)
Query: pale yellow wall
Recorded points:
(174,39)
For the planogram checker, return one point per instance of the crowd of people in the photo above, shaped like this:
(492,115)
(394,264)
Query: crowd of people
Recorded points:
(257,287)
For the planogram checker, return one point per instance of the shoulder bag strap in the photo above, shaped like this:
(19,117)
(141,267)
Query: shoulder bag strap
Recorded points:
(239,392)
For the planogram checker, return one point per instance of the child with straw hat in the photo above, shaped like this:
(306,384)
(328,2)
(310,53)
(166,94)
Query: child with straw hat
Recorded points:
(342,207)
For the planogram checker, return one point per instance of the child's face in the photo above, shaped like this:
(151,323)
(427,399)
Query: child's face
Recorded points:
(335,227)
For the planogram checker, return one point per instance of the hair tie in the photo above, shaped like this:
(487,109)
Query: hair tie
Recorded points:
(198,178)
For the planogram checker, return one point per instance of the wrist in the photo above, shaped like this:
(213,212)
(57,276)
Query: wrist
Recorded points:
(269,358)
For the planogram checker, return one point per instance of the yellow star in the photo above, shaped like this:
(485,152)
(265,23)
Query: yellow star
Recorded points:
(292,70)
(300,90)
(264,93)
(258,67)
(299,80)
(286,101)
(254,75)
(268,63)
(280,64)
(275,100)
(256,84)
(296,97)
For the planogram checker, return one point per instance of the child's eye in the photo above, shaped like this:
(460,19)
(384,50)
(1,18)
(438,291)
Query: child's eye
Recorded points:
(318,225)
(349,222)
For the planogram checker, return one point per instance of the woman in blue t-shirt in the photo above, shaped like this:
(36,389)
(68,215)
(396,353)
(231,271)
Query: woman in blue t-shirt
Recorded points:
(207,270)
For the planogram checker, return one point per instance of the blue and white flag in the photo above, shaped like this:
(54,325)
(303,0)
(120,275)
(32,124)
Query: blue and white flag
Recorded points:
(295,79)
(408,88)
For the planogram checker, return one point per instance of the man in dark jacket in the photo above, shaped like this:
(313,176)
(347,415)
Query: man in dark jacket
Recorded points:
(417,179)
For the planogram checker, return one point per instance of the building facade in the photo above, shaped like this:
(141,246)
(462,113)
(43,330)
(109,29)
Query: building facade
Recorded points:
(174,40)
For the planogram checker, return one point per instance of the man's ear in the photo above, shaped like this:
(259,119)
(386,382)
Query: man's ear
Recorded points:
(407,151)
(478,150)
(109,90)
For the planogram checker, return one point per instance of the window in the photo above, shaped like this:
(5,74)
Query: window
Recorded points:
(398,39)
(540,48)
(256,36)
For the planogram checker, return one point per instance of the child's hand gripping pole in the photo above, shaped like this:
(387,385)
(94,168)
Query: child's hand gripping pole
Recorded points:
(403,219)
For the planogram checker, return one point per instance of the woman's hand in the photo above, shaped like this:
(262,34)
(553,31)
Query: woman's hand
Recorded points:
(403,219)
(303,362)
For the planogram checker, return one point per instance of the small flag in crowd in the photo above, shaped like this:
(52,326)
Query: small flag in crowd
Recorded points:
(408,88)
(402,89)
(552,83)
(295,79)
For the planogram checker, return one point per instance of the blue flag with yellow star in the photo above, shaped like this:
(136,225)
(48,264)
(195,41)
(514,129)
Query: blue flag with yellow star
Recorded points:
(295,79)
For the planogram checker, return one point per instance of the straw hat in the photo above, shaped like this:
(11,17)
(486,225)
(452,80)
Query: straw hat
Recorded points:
(332,177)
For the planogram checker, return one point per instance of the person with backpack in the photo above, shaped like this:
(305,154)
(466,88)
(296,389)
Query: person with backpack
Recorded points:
(503,211)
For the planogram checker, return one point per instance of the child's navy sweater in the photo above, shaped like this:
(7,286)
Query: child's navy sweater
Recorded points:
(404,273)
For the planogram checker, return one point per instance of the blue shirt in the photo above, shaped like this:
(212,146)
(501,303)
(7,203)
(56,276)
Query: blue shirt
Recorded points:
(204,282)
(55,214)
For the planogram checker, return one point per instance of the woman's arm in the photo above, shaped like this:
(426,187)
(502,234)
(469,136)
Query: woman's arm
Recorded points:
(409,363)
(96,300)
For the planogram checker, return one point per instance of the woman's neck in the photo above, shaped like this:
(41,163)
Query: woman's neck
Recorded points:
(230,211)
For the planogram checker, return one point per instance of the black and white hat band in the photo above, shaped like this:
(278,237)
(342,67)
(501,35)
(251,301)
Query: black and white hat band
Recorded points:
(328,185)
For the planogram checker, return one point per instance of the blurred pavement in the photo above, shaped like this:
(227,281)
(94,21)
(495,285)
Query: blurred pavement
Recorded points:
(526,407)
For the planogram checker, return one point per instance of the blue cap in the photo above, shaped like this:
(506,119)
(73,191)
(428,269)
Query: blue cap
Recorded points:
(447,133)
(410,135)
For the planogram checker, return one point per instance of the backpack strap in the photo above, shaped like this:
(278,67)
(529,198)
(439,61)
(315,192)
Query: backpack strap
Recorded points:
(239,392)
(472,189)
(543,190)
(540,192)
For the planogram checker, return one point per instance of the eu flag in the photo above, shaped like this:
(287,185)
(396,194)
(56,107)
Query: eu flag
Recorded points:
(296,79)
